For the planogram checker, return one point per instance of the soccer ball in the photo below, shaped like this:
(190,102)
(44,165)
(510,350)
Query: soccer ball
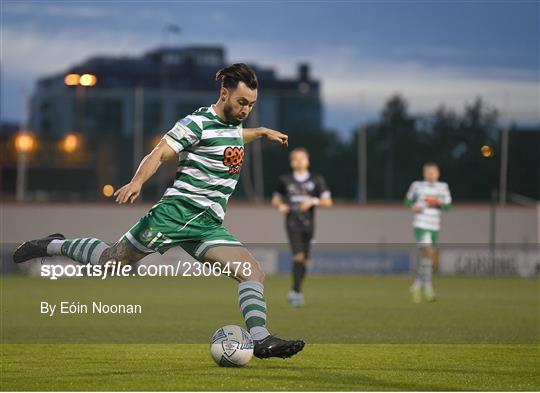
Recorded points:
(231,346)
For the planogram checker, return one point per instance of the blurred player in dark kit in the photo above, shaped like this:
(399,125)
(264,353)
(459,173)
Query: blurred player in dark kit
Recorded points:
(297,195)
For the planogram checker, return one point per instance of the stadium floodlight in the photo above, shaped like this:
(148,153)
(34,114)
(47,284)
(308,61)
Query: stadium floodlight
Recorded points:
(72,79)
(70,143)
(25,142)
(486,151)
(107,190)
(88,80)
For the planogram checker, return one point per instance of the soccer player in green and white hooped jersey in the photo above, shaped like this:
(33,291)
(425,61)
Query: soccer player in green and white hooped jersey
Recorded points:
(209,147)
(427,198)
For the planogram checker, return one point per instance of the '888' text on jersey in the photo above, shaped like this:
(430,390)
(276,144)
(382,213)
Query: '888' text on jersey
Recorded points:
(211,154)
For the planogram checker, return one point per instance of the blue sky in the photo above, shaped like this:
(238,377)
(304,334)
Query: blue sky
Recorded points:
(431,52)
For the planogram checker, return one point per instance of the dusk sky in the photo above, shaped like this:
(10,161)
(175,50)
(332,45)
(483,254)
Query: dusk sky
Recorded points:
(433,53)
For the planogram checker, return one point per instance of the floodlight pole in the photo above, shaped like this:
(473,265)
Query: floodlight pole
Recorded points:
(258,171)
(503,172)
(503,176)
(493,229)
(22,154)
(138,131)
(22,167)
(362,165)
(138,128)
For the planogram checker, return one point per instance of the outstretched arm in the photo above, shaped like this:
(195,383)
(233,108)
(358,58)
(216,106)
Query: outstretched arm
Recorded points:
(148,166)
(251,134)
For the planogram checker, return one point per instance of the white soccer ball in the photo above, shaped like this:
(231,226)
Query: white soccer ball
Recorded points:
(231,346)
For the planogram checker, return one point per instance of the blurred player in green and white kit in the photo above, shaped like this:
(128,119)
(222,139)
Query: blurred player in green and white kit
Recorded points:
(427,198)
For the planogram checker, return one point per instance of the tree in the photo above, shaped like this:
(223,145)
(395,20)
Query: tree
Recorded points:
(392,151)
(455,143)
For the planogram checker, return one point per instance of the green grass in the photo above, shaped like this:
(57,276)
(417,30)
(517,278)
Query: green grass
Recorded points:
(319,367)
(362,333)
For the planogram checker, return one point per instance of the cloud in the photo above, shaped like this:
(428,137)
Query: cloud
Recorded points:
(27,52)
(426,88)
(353,81)
(356,82)
(429,51)
(54,10)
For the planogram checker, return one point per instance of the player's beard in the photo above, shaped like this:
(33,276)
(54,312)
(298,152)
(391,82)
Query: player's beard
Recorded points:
(230,118)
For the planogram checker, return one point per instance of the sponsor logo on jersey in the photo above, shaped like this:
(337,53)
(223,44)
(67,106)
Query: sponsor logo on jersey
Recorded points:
(233,157)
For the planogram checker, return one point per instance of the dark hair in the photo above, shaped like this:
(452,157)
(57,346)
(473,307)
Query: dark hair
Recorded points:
(299,150)
(431,163)
(239,72)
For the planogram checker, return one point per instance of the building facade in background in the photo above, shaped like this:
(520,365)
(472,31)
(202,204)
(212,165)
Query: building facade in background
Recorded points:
(170,83)
(117,108)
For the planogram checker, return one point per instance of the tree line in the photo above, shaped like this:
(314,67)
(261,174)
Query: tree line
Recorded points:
(398,144)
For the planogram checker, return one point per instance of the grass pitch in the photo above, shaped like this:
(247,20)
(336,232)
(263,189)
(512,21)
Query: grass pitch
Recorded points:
(362,333)
(319,367)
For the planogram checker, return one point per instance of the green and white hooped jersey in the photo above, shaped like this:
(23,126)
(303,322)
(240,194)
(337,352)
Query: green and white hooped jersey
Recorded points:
(211,154)
(429,217)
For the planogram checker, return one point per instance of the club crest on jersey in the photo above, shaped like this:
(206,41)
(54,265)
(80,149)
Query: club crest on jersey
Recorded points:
(146,235)
(233,157)
(309,186)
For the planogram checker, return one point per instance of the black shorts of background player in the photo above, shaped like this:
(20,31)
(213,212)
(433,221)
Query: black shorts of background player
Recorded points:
(297,194)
